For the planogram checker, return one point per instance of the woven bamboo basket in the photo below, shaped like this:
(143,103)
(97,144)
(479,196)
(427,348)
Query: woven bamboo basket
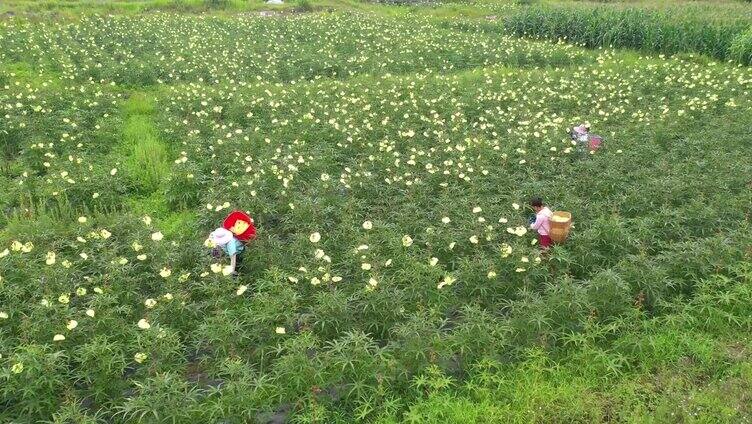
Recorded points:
(561,222)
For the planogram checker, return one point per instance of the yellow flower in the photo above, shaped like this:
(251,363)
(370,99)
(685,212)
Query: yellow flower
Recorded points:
(81,291)
(474,239)
(84,256)
(82,219)
(139,357)
(105,234)
(150,303)
(167,296)
(3,315)
(434,261)
(143,324)
(157,236)
(64,299)
(515,205)
(17,368)
(280,330)
(98,290)
(448,280)
(50,260)
(72,324)
(446,220)
(165,272)
(146,219)
(477,209)
(4,253)
(315,281)
(407,241)
(141,257)
(241,290)
(216,268)
(227,270)
(90,313)
(365,266)
(58,338)
(373,282)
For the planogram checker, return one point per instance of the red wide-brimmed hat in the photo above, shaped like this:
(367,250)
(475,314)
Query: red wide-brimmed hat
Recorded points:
(240,224)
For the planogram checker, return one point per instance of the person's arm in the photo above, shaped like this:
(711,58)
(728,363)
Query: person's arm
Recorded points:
(538,222)
(233,260)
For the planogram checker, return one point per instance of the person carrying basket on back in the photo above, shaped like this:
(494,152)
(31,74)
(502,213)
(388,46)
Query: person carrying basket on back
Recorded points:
(541,222)
(231,238)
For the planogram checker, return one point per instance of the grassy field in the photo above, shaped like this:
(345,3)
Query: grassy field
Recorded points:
(387,154)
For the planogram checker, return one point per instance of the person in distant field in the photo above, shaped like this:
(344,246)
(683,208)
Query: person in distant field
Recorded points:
(224,240)
(541,222)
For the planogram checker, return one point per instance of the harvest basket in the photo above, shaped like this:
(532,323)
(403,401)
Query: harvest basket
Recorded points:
(241,225)
(561,222)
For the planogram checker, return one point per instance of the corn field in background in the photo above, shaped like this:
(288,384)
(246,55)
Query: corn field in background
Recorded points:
(670,30)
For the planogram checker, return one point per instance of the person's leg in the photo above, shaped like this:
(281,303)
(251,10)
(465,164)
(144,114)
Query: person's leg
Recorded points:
(545,242)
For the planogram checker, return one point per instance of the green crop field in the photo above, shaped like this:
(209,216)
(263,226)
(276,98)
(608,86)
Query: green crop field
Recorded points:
(387,154)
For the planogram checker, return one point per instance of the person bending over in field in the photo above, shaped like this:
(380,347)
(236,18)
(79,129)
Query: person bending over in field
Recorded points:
(223,240)
(541,222)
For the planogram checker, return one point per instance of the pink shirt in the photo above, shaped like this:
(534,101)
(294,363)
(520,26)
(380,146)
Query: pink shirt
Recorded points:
(542,221)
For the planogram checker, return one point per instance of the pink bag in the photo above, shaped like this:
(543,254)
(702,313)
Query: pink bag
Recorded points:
(595,142)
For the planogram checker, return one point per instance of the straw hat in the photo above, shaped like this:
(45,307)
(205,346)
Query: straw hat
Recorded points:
(221,236)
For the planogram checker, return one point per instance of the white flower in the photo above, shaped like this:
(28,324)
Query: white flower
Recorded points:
(82,219)
(146,219)
(503,221)
(336,279)
(139,357)
(446,220)
(434,261)
(17,368)
(113,171)
(491,274)
(388,263)
(122,261)
(515,206)
(216,268)
(474,239)
(3,315)
(165,272)
(50,260)
(141,257)
(280,330)
(58,338)
(105,234)
(372,282)
(90,313)
(83,256)
(314,238)
(167,296)
(477,209)
(367,225)
(150,303)
(143,324)
(64,299)
(365,266)
(72,324)
(519,270)
(81,291)
(315,281)
(98,290)
(241,290)
(157,236)
(4,253)
(227,270)
(407,241)
(318,254)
